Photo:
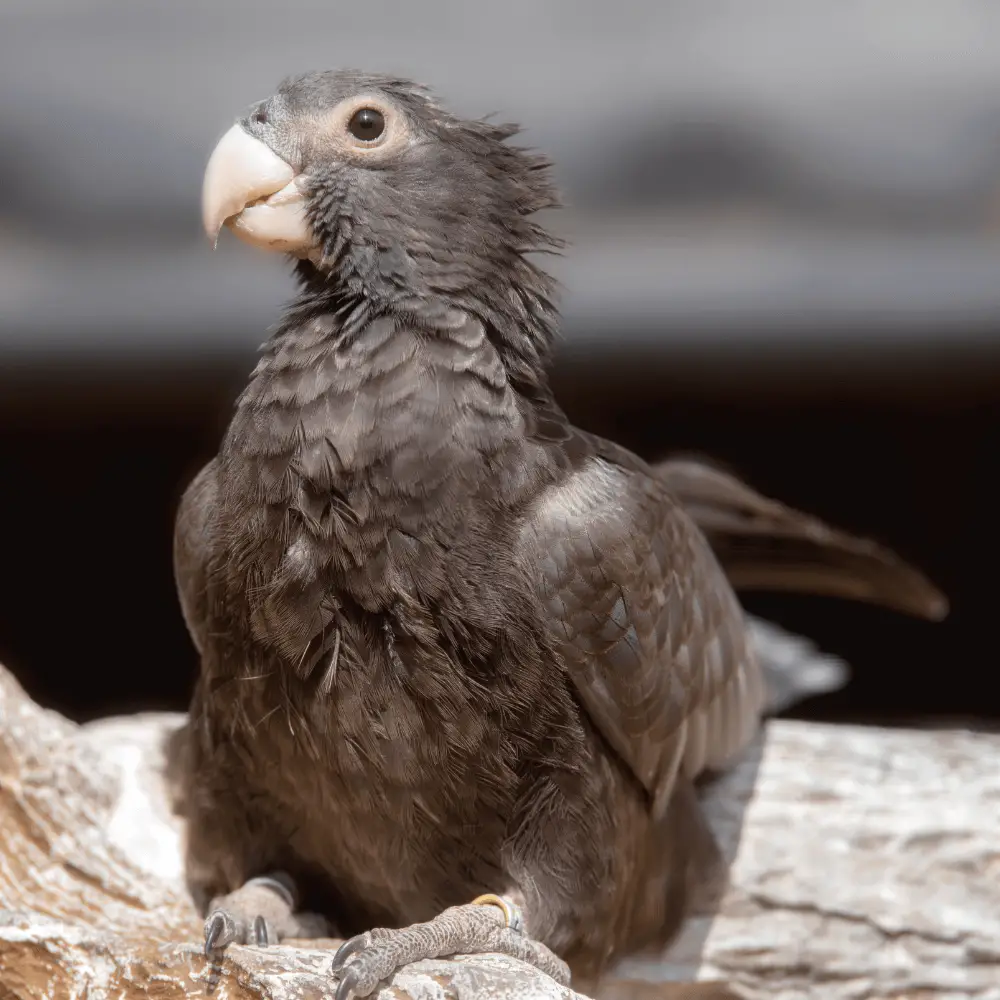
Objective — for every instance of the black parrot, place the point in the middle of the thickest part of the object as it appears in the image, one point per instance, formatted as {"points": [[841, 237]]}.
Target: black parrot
{"points": [[454, 651]]}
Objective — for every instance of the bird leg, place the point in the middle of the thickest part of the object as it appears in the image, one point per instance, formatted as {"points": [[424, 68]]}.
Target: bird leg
{"points": [[490, 924], [261, 912]]}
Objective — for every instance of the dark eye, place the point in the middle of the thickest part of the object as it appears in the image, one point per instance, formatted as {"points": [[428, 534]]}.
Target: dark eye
{"points": [[367, 124], [260, 115]]}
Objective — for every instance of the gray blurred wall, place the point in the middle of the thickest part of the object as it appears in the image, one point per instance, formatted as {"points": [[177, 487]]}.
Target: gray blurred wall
{"points": [[816, 178]]}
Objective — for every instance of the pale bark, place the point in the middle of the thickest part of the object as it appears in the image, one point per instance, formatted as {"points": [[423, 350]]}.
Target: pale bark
{"points": [[866, 864]]}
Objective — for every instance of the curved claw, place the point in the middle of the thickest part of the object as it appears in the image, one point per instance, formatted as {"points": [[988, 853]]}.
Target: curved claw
{"points": [[219, 931], [213, 932], [348, 983], [260, 935], [350, 947]]}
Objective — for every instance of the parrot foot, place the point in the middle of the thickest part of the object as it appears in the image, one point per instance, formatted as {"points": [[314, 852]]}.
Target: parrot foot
{"points": [[260, 912], [362, 962]]}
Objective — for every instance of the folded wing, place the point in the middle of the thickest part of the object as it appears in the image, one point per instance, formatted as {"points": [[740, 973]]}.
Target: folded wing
{"points": [[651, 633]]}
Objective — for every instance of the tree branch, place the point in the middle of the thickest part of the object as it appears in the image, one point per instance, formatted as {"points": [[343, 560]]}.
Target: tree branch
{"points": [[865, 864]]}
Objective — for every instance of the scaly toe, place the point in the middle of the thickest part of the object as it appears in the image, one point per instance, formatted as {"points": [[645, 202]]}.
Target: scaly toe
{"points": [[280, 884]]}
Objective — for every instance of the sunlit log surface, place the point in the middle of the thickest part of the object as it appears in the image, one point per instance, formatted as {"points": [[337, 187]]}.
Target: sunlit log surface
{"points": [[865, 864]]}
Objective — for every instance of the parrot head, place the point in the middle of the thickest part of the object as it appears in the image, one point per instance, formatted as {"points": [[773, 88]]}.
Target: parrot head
{"points": [[371, 182]]}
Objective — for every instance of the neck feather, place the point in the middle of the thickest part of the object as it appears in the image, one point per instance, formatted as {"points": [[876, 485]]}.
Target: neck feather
{"points": [[409, 408], [368, 446]]}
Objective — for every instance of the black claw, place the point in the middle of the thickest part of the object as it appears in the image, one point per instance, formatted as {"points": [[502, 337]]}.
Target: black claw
{"points": [[350, 947], [260, 932], [347, 984], [215, 930]]}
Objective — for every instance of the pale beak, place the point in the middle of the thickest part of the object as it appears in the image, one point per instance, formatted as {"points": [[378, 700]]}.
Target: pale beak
{"points": [[249, 188]]}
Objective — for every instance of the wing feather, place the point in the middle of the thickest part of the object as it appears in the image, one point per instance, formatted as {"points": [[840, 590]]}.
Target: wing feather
{"points": [[652, 635], [191, 551]]}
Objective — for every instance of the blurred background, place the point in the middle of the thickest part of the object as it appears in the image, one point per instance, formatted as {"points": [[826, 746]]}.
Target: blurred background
{"points": [[785, 229]]}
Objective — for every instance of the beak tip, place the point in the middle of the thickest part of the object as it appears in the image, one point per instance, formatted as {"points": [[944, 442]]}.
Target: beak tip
{"points": [[212, 235]]}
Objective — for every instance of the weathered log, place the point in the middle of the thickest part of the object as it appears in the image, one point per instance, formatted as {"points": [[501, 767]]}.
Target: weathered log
{"points": [[865, 864]]}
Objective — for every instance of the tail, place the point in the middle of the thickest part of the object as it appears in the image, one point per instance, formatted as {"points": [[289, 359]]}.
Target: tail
{"points": [[765, 545], [793, 668]]}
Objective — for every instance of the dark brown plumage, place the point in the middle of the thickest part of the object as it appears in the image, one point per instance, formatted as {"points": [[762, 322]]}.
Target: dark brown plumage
{"points": [[450, 644]]}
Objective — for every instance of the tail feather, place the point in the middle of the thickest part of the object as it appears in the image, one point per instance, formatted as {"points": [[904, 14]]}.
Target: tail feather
{"points": [[794, 668], [765, 545]]}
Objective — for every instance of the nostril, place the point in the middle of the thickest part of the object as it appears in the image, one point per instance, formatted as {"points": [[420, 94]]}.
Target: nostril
{"points": [[259, 117]]}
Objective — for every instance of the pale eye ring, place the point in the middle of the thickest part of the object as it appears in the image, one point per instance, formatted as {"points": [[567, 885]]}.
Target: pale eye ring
{"points": [[367, 124]]}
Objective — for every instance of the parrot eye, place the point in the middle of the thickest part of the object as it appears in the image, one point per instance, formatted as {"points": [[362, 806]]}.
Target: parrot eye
{"points": [[367, 124]]}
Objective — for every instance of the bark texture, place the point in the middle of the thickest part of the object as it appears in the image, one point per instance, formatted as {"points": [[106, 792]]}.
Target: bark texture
{"points": [[865, 865]]}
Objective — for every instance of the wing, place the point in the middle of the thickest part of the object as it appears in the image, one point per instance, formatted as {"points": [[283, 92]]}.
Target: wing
{"points": [[191, 541], [766, 545], [651, 632]]}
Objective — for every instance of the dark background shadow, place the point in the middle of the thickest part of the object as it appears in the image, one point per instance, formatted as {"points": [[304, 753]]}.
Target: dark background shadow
{"points": [[784, 254]]}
